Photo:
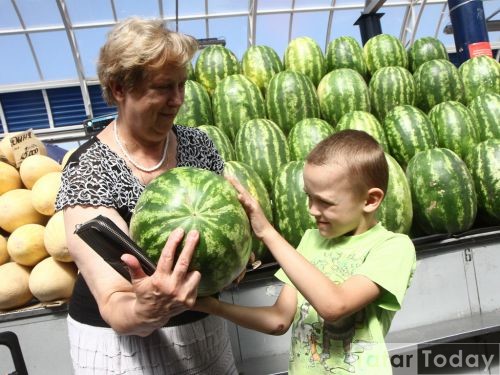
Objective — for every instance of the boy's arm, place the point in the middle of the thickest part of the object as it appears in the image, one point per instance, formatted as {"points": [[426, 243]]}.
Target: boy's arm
{"points": [[332, 301], [273, 320]]}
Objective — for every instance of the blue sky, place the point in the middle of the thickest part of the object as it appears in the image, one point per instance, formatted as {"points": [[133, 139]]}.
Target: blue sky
{"points": [[56, 60]]}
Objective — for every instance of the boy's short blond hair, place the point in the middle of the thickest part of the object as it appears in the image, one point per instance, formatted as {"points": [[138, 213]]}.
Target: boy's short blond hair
{"points": [[357, 151], [136, 47]]}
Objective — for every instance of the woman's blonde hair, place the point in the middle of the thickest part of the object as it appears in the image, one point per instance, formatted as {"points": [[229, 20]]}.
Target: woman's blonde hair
{"points": [[136, 47]]}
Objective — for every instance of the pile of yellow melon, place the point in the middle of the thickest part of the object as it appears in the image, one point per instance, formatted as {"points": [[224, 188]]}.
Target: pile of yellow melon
{"points": [[34, 260]]}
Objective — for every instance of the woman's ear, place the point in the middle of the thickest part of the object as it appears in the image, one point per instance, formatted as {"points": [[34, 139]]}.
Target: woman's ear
{"points": [[117, 90], [374, 198]]}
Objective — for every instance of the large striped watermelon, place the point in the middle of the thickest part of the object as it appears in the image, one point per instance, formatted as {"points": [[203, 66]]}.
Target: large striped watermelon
{"points": [[384, 50], [486, 112], [455, 127], [261, 144], [236, 100], [480, 75], [365, 121], [342, 91], [220, 140], [291, 205], [194, 198], [345, 52], [197, 107], [215, 63], [437, 81], [443, 194], [254, 185], [408, 131], [484, 165], [396, 210], [304, 55], [291, 97], [389, 87], [425, 49], [260, 64], [306, 134]]}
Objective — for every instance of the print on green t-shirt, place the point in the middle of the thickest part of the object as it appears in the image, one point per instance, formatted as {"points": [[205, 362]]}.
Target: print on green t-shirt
{"points": [[353, 344]]}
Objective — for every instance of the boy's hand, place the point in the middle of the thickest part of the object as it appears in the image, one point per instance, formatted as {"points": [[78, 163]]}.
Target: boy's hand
{"points": [[254, 212]]}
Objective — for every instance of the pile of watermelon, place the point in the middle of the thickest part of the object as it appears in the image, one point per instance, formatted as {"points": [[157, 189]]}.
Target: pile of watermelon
{"points": [[439, 125]]}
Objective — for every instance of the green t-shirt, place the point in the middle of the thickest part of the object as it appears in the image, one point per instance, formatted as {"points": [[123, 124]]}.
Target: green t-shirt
{"points": [[354, 344]]}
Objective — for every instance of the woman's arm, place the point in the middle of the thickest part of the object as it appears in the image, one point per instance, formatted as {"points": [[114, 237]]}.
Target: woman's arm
{"points": [[273, 320], [147, 303]]}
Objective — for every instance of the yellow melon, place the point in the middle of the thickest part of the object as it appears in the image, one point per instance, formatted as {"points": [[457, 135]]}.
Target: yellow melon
{"points": [[66, 156], [14, 288], [9, 178], [44, 193], [55, 238], [36, 166], [16, 210], [4, 254], [6, 150], [25, 245], [51, 280]]}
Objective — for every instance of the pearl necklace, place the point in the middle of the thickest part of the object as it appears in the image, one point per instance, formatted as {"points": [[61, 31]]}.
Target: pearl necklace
{"points": [[135, 164]]}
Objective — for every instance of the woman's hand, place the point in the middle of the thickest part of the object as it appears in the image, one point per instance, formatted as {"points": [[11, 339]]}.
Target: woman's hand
{"points": [[254, 212], [172, 289]]}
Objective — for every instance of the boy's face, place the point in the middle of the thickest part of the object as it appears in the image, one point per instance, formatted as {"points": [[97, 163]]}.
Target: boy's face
{"points": [[333, 202]]}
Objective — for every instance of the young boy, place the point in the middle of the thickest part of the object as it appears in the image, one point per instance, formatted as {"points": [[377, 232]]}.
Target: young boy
{"points": [[347, 278]]}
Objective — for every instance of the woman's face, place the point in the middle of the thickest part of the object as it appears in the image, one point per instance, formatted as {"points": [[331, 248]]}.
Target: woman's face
{"points": [[150, 109]]}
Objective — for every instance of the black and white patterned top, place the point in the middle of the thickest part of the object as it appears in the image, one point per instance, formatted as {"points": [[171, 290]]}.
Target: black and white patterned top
{"points": [[96, 176]]}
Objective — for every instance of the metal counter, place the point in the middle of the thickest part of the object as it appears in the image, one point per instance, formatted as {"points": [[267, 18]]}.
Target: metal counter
{"points": [[453, 296]]}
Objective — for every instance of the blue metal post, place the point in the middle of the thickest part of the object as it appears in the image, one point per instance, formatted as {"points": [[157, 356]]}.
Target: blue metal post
{"points": [[469, 28]]}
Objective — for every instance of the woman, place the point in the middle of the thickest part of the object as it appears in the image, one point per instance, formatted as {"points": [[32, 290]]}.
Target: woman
{"points": [[122, 321]]}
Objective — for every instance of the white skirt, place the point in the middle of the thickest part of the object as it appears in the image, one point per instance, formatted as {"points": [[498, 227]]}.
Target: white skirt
{"points": [[201, 347]]}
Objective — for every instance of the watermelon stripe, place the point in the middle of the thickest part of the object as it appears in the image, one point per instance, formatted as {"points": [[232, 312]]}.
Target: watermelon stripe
{"points": [[197, 107], [365, 121], [304, 55], [443, 191], [260, 64], [384, 50], [195, 199], [486, 112], [305, 135], [291, 203], [408, 131], [215, 63], [483, 162], [454, 127], [342, 91], [389, 87], [345, 52], [291, 97], [236, 100], [255, 186], [396, 210], [261, 144], [480, 75], [437, 81], [220, 140], [426, 49]]}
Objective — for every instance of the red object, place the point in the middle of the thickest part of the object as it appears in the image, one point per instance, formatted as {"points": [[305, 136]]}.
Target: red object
{"points": [[479, 49]]}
